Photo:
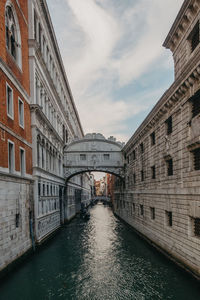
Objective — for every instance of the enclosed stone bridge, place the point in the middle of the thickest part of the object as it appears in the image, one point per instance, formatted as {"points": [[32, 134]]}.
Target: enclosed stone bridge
{"points": [[94, 153]]}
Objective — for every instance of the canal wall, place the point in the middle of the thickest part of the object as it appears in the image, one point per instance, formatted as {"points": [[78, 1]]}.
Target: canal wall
{"points": [[160, 197], [15, 207]]}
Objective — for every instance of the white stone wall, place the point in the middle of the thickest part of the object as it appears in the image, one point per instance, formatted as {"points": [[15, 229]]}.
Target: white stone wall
{"points": [[174, 198], [15, 195]]}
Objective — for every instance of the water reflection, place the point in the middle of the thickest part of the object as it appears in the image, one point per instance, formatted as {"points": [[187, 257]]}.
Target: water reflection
{"points": [[98, 259]]}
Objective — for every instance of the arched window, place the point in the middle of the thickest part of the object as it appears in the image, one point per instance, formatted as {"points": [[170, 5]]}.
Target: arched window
{"points": [[13, 39]]}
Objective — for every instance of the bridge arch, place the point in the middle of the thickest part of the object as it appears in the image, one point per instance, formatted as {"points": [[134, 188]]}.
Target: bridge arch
{"points": [[94, 153]]}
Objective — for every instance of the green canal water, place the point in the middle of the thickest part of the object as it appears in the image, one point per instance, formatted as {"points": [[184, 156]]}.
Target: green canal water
{"points": [[98, 260]]}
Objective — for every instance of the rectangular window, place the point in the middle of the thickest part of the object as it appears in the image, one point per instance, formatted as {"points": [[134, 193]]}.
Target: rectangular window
{"points": [[134, 178], [168, 123], [40, 35], [43, 189], [106, 156], [82, 156], [152, 212], [153, 172], [197, 227], [35, 26], [194, 37], [17, 220], [168, 215], [39, 189], [141, 210], [134, 155], [153, 138], [195, 101], [128, 159], [9, 100], [133, 207], [21, 113], [170, 167], [142, 175], [11, 157], [142, 148], [22, 162], [196, 155]]}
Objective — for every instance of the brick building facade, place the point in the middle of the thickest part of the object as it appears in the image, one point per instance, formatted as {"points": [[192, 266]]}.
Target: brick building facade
{"points": [[15, 132], [161, 197]]}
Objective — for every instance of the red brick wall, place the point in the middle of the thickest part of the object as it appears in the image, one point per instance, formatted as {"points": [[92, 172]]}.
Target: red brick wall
{"points": [[4, 137], [22, 76], [22, 14]]}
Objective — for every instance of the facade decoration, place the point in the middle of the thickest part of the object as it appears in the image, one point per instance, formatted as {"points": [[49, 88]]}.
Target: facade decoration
{"points": [[55, 123], [93, 153]]}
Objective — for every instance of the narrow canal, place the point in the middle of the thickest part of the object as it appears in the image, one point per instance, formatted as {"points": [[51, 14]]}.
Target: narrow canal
{"points": [[99, 259]]}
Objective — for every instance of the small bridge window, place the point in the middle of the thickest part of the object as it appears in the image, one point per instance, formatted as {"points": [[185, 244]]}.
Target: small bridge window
{"points": [[82, 156], [106, 156]]}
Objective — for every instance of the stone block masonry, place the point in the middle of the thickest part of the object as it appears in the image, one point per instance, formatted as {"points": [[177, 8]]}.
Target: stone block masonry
{"points": [[15, 204], [161, 196]]}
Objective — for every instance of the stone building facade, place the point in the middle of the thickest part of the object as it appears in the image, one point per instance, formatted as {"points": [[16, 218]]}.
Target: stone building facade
{"points": [[16, 209], [55, 123], [161, 195]]}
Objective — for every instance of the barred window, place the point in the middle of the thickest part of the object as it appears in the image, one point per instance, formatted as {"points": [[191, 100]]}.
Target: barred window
{"points": [[168, 123], [196, 154], [106, 156], [152, 211], [82, 156], [153, 138], [17, 220], [141, 209], [142, 148], [134, 155], [194, 37], [195, 101], [170, 167], [153, 172], [142, 175], [197, 227], [134, 178], [168, 218]]}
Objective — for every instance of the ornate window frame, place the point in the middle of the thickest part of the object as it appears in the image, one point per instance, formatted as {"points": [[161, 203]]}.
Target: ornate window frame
{"points": [[17, 39]]}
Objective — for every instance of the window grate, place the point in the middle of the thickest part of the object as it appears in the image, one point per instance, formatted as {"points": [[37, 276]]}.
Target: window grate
{"points": [[169, 218], [142, 148], [195, 100], [169, 125], [152, 209], [170, 167], [194, 37], [196, 154], [153, 172], [153, 138], [142, 175], [197, 226], [141, 210]]}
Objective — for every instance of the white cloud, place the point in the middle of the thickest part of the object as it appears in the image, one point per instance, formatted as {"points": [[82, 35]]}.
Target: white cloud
{"points": [[100, 34], [110, 47]]}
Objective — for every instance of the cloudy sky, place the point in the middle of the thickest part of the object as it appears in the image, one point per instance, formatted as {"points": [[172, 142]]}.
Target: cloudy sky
{"points": [[114, 59]]}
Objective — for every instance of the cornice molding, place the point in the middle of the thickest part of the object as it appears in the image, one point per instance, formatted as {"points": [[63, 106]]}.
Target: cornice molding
{"points": [[178, 89]]}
